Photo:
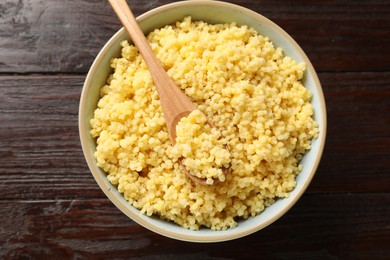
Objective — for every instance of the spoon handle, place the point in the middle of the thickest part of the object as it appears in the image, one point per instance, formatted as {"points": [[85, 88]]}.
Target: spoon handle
{"points": [[175, 104]]}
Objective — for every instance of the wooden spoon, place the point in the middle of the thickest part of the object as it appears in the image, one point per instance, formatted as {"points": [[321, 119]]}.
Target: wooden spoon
{"points": [[175, 104]]}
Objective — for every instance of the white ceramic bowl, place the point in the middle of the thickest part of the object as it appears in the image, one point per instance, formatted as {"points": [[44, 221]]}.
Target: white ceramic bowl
{"points": [[212, 12]]}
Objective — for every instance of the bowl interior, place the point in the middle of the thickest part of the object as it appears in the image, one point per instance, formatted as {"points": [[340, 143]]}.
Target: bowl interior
{"points": [[212, 12]]}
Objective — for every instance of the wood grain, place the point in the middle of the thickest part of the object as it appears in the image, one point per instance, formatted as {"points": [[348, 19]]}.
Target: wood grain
{"points": [[358, 134], [40, 152], [65, 36], [329, 226]]}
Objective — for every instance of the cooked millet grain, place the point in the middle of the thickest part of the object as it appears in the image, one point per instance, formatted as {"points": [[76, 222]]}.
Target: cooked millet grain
{"points": [[244, 85]]}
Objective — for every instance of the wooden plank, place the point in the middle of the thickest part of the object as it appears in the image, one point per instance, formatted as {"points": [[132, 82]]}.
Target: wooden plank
{"points": [[338, 226], [65, 36], [40, 152], [336, 35], [41, 157], [358, 134]]}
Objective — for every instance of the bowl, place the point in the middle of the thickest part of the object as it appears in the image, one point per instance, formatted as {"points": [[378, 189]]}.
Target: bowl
{"points": [[212, 12]]}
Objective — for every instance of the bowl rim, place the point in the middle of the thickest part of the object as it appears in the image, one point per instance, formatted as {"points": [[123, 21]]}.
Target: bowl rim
{"points": [[216, 236]]}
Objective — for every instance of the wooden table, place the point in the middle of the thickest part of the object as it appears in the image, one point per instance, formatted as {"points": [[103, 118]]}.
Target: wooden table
{"points": [[50, 205]]}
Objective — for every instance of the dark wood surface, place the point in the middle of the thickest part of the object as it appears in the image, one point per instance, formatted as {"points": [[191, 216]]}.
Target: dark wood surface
{"points": [[50, 205]]}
